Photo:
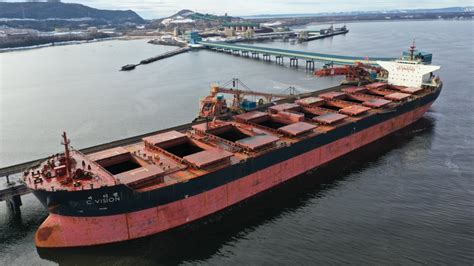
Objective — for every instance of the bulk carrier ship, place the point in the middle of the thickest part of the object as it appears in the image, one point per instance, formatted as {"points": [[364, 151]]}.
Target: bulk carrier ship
{"points": [[175, 177]]}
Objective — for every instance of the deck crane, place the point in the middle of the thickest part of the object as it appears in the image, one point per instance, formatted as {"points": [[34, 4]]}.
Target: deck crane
{"points": [[215, 105], [359, 72]]}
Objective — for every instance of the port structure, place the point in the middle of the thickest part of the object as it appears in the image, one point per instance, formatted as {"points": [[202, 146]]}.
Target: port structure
{"points": [[129, 67], [293, 55], [11, 192]]}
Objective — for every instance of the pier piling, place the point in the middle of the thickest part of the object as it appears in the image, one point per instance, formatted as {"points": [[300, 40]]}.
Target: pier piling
{"points": [[279, 59], [11, 192], [14, 204], [294, 62]]}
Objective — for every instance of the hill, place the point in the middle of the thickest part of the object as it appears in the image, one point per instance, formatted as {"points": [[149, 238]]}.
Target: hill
{"points": [[188, 19], [28, 14]]}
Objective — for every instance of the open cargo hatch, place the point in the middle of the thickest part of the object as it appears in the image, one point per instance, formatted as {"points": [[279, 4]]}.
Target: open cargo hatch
{"points": [[116, 160], [126, 169], [187, 150]]}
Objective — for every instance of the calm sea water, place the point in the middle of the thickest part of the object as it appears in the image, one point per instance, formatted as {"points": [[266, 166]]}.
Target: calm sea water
{"points": [[408, 199]]}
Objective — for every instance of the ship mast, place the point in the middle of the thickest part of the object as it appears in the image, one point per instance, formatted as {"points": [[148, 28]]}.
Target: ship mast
{"points": [[412, 50], [66, 142]]}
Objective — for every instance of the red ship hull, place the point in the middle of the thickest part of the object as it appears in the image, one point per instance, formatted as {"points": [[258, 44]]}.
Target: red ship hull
{"points": [[70, 231]]}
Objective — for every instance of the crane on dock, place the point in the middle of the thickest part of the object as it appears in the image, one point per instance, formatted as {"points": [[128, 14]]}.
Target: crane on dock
{"points": [[215, 104]]}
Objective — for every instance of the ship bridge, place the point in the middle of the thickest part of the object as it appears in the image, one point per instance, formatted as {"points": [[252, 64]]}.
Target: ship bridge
{"points": [[294, 55]]}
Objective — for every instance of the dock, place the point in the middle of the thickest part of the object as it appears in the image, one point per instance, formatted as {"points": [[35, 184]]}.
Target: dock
{"points": [[254, 52], [301, 36], [165, 55], [316, 35], [297, 35], [11, 192], [181, 50]]}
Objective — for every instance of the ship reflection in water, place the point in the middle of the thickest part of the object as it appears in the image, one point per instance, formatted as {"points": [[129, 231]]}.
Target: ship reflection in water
{"points": [[200, 240]]}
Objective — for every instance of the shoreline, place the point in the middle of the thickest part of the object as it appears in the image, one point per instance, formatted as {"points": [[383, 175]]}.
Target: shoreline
{"points": [[295, 24], [137, 37], [377, 20], [31, 47]]}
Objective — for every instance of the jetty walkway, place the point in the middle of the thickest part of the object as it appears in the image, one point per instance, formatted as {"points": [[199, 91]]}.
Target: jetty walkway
{"points": [[293, 55], [156, 58]]}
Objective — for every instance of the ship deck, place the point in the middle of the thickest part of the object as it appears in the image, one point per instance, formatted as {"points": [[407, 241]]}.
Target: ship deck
{"points": [[172, 156]]}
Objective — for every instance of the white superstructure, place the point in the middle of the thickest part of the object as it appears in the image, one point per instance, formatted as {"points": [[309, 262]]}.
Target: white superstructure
{"points": [[410, 73]]}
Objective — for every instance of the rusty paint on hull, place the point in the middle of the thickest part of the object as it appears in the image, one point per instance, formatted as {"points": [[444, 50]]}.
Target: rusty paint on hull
{"points": [[69, 231]]}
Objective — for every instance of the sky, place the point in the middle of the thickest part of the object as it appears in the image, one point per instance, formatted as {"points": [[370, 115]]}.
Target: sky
{"points": [[162, 8]]}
